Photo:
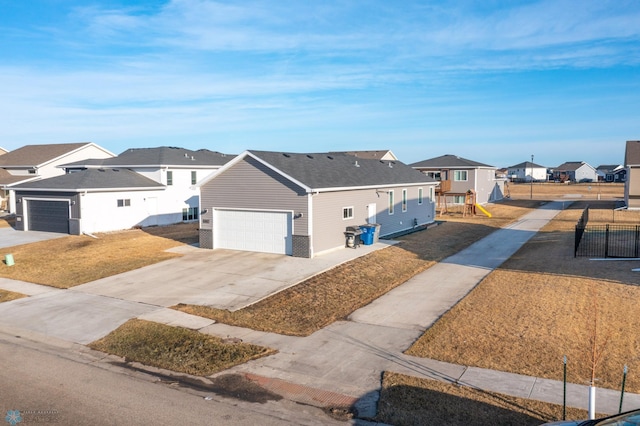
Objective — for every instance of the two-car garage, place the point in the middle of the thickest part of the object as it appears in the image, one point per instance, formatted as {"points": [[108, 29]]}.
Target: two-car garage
{"points": [[250, 230]]}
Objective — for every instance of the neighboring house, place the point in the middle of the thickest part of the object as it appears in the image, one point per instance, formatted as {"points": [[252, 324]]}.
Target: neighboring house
{"points": [[3, 151], [575, 171], [34, 162], [458, 175], [372, 155], [140, 187], [301, 204], [527, 172], [611, 173], [632, 184]]}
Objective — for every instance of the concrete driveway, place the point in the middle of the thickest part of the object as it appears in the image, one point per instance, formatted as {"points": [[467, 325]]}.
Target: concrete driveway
{"points": [[224, 279], [9, 237]]}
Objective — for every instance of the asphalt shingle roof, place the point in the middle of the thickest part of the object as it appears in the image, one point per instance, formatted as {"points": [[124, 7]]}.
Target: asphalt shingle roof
{"points": [[169, 156], [336, 170], [632, 153], [35, 155], [527, 165], [448, 161], [570, 166], [93, 179]]}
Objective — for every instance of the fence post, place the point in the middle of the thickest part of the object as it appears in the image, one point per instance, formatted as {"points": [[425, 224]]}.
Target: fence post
{"points": [[637, 245], [606, 241]]}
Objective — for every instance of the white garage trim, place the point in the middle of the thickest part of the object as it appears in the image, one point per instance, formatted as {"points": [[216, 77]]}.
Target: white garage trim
{"points": [[48, 220], [265, 231]]}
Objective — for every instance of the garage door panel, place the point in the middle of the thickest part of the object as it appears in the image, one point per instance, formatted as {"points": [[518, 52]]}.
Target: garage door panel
{"points": [[48, 216], [268, 232]]}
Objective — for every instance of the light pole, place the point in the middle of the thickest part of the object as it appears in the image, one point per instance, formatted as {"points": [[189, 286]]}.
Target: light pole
{"points": [[531, 179]]}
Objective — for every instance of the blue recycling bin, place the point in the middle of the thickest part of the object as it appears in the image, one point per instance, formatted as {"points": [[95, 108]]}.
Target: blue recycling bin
{"points": [[367, 234]]}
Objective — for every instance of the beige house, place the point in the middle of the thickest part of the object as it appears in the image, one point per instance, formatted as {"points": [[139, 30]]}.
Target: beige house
{"points": [[632, 184]]}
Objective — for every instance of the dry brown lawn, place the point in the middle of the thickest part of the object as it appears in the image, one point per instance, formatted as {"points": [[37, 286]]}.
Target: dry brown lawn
{"points": [[543, 304], [6, 221], [68, 261], [176, 348], [6, 296], [554, 191], [335, 294], [408, 401]]}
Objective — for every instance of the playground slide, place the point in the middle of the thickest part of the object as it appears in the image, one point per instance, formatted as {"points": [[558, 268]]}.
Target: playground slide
{"points": [[482, 209]]}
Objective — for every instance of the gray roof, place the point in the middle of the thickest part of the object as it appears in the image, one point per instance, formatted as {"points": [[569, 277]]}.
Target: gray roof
{"points": [[449, 161], [373, 155], [336, 170], [570, 166], [93, 179], [35, 155], [632, 153], [608, 167], [160, 156], [527, 165]]}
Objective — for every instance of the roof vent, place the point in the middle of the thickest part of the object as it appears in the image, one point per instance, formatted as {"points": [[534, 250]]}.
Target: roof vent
{"points": [[329, 157], [310, 156], [390, 165], [286, 155], [356, 164], [186, 155], [192, 158]]}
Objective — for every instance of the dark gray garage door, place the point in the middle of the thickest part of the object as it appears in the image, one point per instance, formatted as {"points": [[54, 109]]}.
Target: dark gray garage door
{"points": [[48, 216]]}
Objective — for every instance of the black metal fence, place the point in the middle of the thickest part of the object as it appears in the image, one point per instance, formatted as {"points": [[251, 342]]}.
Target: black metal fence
{"points": [[608, 241], [580, 227]]}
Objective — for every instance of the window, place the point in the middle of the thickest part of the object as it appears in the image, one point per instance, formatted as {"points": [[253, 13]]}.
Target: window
{"points": [[458, 199], [460, 175], [169, 178], [126, 202], [431, 193], [420, 195], [404, 200], [194, 178], [390, 202], [347, 213], [190, 213]]}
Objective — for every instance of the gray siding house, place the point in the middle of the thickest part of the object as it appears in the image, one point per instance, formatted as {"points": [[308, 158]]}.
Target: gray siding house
{"points": [[301, 204], [458, 175]]}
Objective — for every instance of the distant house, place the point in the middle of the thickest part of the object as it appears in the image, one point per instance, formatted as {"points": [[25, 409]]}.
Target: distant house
{"points": [[3, 151], [611, 173], [632, 184], [575, 171], [301, 204], [34, 162], [458, 175], [527, 172], [140, 187]]}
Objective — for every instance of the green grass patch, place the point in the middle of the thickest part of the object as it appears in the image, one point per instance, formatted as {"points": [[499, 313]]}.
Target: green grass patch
{"points": [[175, 348]]}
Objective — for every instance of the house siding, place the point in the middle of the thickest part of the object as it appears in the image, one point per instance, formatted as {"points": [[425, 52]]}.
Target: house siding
{"points": [[261, 189], [632, 188], [328, 206]]}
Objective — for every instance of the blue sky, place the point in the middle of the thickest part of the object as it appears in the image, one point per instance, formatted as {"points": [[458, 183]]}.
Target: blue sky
{"points": [[493, 81]]}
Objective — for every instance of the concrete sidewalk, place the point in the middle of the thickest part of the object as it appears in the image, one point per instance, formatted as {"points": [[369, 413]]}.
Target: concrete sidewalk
{"points": [[349, 357]]}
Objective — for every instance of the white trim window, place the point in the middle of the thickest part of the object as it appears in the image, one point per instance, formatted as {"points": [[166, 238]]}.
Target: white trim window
{"points": [[169, 178], [460, 175], [126, 202], [194, 177], [420, 195], [404, 200], [391, 201], [458, 199], [347, 213]]}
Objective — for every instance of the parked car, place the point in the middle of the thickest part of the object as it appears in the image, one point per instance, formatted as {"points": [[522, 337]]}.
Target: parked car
{"points": [[630, 418]]}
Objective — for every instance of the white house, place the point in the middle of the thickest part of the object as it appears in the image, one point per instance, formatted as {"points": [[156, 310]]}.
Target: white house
{"points": [[34, 162], [140, 187], [527, 172]]}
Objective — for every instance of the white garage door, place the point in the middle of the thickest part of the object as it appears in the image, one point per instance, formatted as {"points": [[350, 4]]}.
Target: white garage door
{"points": [[267, 232]]}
